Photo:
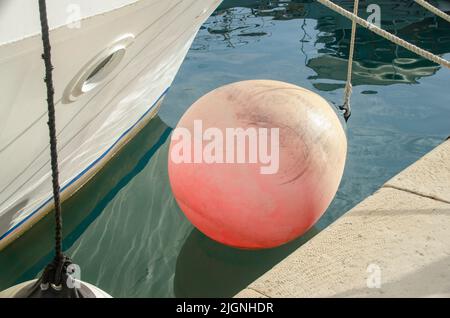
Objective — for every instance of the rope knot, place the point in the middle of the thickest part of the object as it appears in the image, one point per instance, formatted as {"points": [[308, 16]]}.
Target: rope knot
{"points": [[56, 273]]}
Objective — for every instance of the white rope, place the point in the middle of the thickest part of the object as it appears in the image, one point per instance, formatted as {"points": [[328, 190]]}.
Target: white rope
{"points": [[389, 36], [348, 86], [433, 9]]}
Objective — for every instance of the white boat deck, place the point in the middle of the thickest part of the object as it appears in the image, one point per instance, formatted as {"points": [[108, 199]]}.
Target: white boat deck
{"points": [[393, 244]]}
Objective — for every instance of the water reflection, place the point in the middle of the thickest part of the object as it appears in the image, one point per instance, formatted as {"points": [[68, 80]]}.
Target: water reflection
{"points": [[27, 256], [377, 61]]}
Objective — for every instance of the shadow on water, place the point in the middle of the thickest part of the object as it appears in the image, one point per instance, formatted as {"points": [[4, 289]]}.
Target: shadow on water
{"points": [[208, 269], [81, 210], [148, 257]]}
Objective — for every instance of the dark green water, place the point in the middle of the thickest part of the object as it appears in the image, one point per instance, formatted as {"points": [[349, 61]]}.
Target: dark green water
{"points": [[125, 230]]}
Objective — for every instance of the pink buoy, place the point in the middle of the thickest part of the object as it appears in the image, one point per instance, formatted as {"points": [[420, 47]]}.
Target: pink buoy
{"points": [[255, 164]]}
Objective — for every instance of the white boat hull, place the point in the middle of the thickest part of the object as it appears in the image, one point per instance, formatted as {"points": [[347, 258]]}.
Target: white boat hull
{"points": [[96, 114]]}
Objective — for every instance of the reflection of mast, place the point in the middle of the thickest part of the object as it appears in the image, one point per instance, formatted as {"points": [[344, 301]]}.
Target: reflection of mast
{"points": [[302, 41], [233, 26]]}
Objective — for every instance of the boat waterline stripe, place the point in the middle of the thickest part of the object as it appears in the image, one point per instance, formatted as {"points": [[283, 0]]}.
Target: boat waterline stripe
{"points": [[82, 173]]}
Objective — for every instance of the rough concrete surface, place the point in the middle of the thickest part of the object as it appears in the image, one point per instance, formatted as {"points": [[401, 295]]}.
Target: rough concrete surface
{"points": [[430, 176], [393, 244]]}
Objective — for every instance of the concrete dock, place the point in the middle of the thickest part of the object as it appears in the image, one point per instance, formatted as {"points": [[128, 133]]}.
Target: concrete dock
{"points": [[396, 243]]}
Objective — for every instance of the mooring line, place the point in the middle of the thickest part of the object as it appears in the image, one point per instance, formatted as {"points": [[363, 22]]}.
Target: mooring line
{"points": [[385, 34], [433, 9]]}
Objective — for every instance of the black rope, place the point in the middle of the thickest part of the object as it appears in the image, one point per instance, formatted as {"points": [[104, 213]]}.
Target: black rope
{"points": [[46, 56], [54, 281]]}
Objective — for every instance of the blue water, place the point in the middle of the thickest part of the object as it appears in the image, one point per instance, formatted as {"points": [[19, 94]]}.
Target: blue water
{"points": [[125, 229]]}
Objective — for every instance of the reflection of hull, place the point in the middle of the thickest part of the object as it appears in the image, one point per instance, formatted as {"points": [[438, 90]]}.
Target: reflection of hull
{"points": [[400, 11], [92, 125], [335, 68], [34, 249], [444, 5], [377, 61]]}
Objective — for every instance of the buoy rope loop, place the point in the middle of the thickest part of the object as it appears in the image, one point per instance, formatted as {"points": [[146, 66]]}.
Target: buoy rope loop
{"points": [[346, 107], [55, 274]]}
